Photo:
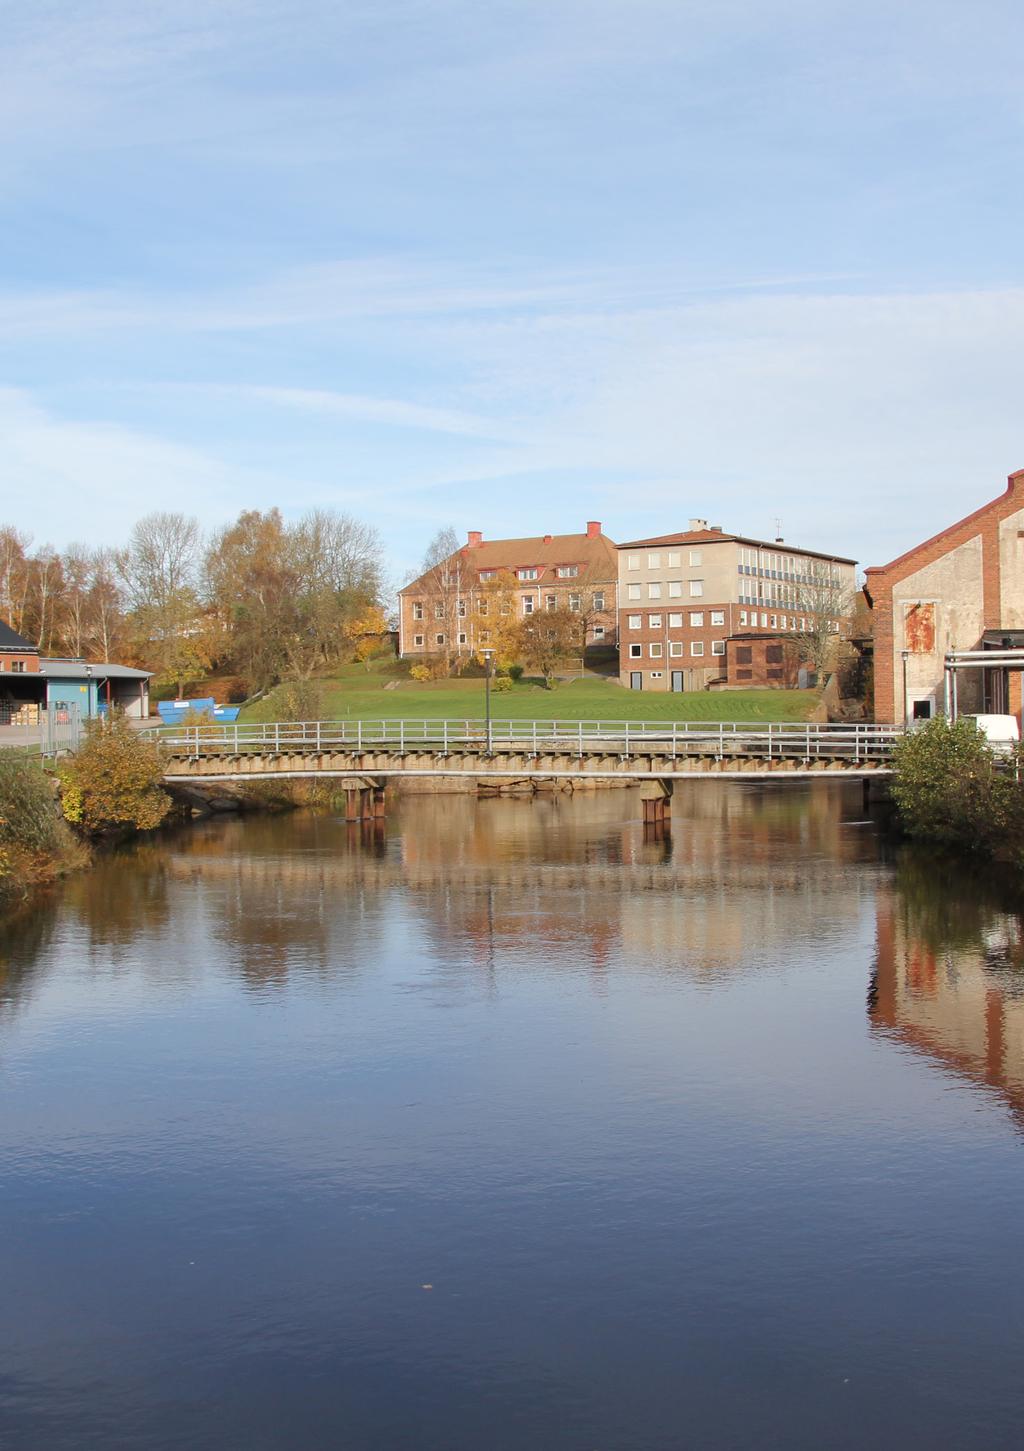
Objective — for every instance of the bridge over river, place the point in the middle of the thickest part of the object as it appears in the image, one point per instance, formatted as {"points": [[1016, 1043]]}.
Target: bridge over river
{"points": [[366, 755]]}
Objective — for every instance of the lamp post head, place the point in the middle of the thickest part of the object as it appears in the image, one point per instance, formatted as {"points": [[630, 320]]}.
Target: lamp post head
{"points": [[905, 654]]}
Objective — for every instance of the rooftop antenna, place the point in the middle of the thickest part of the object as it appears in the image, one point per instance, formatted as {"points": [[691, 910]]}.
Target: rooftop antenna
{"points": [[778, 532]]}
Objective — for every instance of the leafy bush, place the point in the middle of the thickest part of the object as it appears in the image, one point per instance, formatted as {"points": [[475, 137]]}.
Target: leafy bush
{"points": [[516, 672], [113, 780], [300, 700], [501, 683], [949, 789], [35, 843]]}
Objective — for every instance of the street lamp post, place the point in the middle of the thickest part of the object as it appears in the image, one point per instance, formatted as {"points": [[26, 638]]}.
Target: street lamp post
{"points": [[906, 657], [488, 655]]}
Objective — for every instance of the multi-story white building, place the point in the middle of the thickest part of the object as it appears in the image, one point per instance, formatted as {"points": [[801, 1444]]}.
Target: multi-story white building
{"points": [[683, 596]]}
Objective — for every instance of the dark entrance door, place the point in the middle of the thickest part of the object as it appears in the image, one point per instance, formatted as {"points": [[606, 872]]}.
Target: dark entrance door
{"points": [[677, 680]]}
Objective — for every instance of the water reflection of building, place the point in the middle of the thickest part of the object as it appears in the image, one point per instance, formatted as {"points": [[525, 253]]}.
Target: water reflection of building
{"points": [[746, 871], [948, 979]]}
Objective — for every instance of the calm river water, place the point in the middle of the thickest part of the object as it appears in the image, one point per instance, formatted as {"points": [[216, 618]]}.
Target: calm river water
{"points": [[511, 1129]]}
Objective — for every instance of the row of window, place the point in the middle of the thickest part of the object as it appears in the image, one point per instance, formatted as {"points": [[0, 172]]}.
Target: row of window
{"points": [[17, 667], [772, 622], [574, 601], [675, 621], [675, 589], [534, 571], [673, 559], [675, 648], [483, 637]]}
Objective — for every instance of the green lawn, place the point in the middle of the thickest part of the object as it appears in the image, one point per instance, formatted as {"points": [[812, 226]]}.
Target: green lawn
{"points": [[357, 694]]}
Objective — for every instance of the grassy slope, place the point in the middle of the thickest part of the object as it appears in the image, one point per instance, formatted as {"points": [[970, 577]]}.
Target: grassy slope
{"points": [[357, 694]]}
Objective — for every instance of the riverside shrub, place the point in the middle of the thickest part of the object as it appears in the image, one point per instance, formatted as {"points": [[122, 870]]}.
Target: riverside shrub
{"points": [[35, 843], [950, 789], [113, 780]]}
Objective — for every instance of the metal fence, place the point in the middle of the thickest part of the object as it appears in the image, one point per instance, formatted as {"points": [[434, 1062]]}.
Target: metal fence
{"points": [[49, 731], [798, 740]]}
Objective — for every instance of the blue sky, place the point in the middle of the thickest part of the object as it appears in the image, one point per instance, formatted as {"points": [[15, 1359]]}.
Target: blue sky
{"points": [[511, 266]]}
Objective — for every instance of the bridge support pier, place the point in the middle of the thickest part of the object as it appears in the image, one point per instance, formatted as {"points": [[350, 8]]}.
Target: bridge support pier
{"points": [[656, 798], [364, 803]]}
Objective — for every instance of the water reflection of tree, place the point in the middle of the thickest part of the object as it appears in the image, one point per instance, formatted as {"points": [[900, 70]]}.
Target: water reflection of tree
{"points": [[948, 976]]}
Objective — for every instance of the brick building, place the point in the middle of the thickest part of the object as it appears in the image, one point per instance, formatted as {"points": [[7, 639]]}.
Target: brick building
{"points": [[683, 596], [18, 656], [963, 589], [447, 609]]}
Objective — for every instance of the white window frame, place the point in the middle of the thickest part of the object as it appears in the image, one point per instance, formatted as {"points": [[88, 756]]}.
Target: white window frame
{"points": [[696, 589], [675, 589], [696, 619], [674, 560], [632, 591], [654, 561], [718, 617], [657, 650], [654, 590], [696, 557], [632, 561], [696, 647], [653, 622], [718, 647], [675, 622], [636, 652], [634, 622], [675, 648]]}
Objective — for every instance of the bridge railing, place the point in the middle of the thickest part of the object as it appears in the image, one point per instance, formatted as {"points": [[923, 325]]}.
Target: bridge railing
{"points": [[792, 740]]}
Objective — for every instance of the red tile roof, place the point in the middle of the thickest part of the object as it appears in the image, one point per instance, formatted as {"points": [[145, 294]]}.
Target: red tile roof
{"points": [[593, 553]]}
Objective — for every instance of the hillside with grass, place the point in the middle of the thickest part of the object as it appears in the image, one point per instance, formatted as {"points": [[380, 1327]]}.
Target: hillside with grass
{"points": [[383, 690]]}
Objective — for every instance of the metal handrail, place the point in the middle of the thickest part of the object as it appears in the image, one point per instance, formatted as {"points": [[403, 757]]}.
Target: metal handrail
{"points": [[774, 739]]}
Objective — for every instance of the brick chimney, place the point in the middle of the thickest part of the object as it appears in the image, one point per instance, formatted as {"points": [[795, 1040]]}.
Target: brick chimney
{"points": [[547, 538], [593, 529], [474, 538]]}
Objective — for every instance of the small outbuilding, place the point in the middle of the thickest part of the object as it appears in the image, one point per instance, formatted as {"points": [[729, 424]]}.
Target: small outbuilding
{"points": [[29, 683]]}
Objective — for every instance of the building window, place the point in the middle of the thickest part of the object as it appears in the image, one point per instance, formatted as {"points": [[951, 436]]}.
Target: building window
{"points": [[632, 561], [743, 617], [486, 574], [655, 674], [675, 589], [654, 622], [481, 607], [598, 599], [773, 621], [484, 637], [696, 588], [417, 610], [675, 647], [462, 638], [675, 622], [654, 561], [418, 641], [695, 556], [696, 619], [575, 601], [460, 609], [527, 604], [764, 622], [634, 622], [551, 602], [654, 591], [674, 561], [773, 654], [718, 647], [656, 650], [635, 652], [439, 611], [696, 647], [718, 617], [633, 591], [744, 654], [439, 639], [744, 674], [527, 573], [568, 571], [598, 632]]}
